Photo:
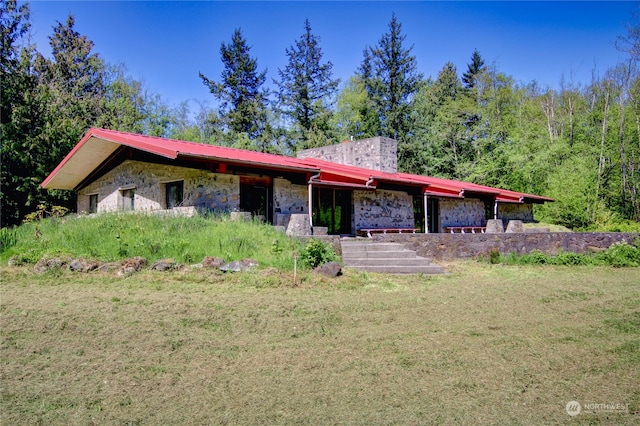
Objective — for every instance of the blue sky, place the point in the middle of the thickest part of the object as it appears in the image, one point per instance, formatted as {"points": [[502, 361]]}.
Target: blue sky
{"points": [[166, 44]]}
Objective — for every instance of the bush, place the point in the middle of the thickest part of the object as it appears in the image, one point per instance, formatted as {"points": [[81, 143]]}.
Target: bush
{"points": [[316, 253]]}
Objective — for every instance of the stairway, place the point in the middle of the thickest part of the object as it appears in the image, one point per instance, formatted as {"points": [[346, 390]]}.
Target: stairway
{"points": [[386, 258]]}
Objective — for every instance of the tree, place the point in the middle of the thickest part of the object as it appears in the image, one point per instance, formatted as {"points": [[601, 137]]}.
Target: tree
{"points": [[391, 78], [354, 115], [474, 69], [240, 93], [306, 89], [19, 114]]}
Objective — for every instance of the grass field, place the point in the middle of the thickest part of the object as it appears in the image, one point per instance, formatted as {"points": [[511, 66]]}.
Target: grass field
{"points": [[485, 344]]}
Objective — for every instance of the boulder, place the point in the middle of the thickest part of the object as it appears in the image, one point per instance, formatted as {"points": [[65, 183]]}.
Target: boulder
{"points": [[82, 265], [131, 265], [212, 262], [330, 269], [47, 264], [163, 265], [239, 265]]}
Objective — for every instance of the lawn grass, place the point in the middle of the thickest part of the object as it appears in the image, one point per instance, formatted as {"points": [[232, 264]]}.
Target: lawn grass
{"points": [[484, 344]]}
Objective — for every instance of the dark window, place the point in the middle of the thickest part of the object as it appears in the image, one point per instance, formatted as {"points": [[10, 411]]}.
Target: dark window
{"points": [[175, 194], [93, 203]]}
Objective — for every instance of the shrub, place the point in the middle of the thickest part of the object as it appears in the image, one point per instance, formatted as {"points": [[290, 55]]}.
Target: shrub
{"points": [[316, 253]]}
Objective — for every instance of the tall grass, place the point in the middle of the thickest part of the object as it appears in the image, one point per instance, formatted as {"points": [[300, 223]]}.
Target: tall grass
{"points": [[112, 237]]}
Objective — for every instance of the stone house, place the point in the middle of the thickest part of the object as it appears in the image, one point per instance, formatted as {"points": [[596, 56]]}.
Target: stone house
{"points": [[339, 189]]}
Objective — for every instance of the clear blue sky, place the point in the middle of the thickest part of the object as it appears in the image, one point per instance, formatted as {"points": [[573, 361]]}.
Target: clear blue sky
{"points": [[165, 44]]}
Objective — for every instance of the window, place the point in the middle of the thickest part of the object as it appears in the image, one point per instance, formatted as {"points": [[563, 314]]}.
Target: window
{"points": [[175, 194], [93, 203], [128, 196]]}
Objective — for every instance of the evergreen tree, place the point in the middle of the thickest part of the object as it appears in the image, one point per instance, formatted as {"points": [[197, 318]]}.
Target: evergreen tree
{"points": [[306, 90], [18, 114], [474, 69], [391, 77], [240, 93]]}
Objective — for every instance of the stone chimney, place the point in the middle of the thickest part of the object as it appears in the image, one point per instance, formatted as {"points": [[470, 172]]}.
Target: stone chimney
{"points": [[376, 153]]}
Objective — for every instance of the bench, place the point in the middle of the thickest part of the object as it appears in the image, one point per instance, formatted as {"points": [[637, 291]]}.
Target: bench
{"points": [[464, 229], [366, 232]]}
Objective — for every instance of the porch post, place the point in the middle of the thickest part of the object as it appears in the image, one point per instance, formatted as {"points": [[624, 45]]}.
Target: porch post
{"points": [[310, 205], [495, 210], [426, 213]]}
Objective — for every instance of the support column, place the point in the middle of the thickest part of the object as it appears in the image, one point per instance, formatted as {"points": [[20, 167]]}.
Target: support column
{"points": [[426, 213]]}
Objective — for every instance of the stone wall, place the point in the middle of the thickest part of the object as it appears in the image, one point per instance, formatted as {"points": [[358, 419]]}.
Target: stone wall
{"points": [[511, 211], [374, 153], [453, 246], [202, 189], [461, 212], [289, 198], [382, 209]]}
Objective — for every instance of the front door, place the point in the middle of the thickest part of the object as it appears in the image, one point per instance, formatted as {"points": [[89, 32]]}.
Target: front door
{"points": [[255, 197]]}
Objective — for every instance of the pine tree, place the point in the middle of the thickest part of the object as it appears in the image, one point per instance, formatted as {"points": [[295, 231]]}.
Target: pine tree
{"points": [[391, 77], [240, 93], [470, 78], [306, 90]]}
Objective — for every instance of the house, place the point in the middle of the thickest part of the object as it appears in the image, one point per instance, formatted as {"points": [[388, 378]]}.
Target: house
{"points": [[339, 189]]}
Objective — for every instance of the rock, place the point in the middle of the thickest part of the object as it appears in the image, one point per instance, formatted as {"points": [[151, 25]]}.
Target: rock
{"points": [[131, 265], [163, 265], [82, 265], [47, 264], [239, 265], [212, 262], [330, 269]]}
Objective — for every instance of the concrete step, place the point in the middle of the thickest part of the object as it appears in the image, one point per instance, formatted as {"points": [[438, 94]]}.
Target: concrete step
{"points": [[388, 258], [370, 246], [400, 254], [359, 261], [387, 269]]}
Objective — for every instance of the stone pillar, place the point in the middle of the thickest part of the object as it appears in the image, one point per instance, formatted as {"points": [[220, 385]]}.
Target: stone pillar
{"points": [[515, 226], [299, 225], [494, 226]]}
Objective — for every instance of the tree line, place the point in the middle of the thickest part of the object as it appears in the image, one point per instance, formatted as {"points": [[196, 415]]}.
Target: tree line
{"points": [[579, 144]]}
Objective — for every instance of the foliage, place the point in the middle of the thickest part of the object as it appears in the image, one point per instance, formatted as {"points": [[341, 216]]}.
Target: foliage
{"points": [[305, 91], [240, 93], [391, 78], [316, 253], [620, 254], [112, 237]]}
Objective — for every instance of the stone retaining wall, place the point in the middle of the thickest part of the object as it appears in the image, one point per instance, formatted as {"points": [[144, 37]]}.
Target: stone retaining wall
{"points": [[454, 246]]}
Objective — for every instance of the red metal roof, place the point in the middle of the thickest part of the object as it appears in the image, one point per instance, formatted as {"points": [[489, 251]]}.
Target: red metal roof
{"points": [[98, 144]]}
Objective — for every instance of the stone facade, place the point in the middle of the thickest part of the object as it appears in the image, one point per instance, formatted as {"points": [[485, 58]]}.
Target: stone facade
{"points": [[289, 198], [382, 209], [374, 153], [512, 211], [202, 189], [461, 212], [454, 246]]}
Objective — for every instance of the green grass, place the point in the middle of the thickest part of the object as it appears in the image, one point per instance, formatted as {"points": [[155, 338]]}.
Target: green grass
{"points": [[484, 344], [111, 237]]}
